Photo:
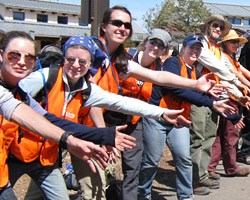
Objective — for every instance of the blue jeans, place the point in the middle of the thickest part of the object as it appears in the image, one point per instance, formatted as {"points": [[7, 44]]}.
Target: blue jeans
{"points": [[48, 178], [7, 193], [155, 135]]}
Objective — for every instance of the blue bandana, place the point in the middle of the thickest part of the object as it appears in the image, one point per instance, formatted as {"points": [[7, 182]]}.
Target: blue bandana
{"points": [[97, 56]]}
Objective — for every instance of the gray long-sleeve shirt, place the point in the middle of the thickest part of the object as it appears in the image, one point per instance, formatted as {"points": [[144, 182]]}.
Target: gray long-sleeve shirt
{"points": [[7, 103], [98, 97]]}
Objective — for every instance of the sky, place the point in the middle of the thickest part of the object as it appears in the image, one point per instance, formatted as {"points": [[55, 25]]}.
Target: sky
{"points": [[138, 8]]}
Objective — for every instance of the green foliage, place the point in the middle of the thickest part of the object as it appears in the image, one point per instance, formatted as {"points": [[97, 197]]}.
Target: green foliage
{"points": [[178, 17]]}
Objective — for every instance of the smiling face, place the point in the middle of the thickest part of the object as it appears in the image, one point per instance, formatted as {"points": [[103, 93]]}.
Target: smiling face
{"points": [[190, 54], [154, 48], [76, 63], [18, 60], [214, 29], [117, 30]]}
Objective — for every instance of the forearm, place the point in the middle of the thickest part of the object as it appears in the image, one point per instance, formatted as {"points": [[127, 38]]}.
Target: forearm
{"points": [[104, 136], [208, 60], [241, 77], [164, 78], [245, 72], [96, 115], [25, 116]]}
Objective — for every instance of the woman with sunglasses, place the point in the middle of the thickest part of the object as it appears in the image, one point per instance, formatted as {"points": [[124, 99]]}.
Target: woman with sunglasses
{"points": [[227, 137], [17, 54]]}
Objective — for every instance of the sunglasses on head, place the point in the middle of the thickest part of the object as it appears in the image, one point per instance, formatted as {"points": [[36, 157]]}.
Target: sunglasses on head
{"points": [[81, 61], [119, 23], [216, 25], [15, 56], [157, 43], [234, 41]]}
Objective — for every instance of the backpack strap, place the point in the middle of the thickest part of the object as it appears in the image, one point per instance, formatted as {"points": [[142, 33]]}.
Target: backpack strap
{"points": [[86, 92]]}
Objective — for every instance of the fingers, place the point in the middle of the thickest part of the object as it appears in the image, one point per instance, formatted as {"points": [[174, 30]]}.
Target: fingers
{"points": [[124, 141], [122, 127], [181, 120], [100, 159], [91, 165]]}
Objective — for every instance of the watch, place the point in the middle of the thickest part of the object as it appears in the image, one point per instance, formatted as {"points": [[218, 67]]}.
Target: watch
{"points": [[63, 139]]}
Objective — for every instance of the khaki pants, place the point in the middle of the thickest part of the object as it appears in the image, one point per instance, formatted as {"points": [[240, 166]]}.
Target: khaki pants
{"points": [[92, 185]]}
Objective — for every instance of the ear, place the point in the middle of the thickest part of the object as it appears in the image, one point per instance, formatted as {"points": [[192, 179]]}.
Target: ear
{"points": [[103, 27]]}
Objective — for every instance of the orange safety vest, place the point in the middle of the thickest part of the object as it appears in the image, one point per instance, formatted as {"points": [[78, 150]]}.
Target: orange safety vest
{"points": [[236, 66], [107, 79], [31, 146], [55, 103], [217, 52], [8, 132], [143, 92], [172, 102]]}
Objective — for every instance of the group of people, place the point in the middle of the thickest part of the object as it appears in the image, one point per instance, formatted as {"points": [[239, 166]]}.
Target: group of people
{"points": [[176, 101]]}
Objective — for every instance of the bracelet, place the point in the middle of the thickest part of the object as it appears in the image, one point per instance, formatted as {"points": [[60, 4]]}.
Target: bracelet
{"points": [[63, 139]]}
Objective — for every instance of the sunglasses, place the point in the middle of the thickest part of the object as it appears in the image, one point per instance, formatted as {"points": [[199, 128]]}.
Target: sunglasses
{"points": [[15, 56], [119, 23], [157, 43], [215, 25], [81, 62], [234, 41]]}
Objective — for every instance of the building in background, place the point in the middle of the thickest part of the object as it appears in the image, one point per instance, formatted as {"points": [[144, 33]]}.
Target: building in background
{"points": [[49, 22], [53, 22], [237, 15]]}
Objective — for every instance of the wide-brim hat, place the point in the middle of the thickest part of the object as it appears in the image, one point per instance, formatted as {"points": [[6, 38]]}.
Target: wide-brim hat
{"points": [[232, 35], [219, 17]]}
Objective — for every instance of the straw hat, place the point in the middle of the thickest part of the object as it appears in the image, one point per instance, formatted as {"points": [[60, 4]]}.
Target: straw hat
{"points": [[232, 35], [219, 17]]}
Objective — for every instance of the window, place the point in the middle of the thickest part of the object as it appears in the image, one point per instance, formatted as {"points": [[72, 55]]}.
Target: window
{"points": [[42, 18], [246, 22], [234, 21], [18, 16], [82, 23], [62, 20]]}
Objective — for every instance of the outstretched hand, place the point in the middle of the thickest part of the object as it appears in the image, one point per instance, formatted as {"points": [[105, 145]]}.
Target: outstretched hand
{"points": [[205, 82], [240, 124], [113, 153], [217, 90], [223, 107], [174, 117], [88, 152], [123, 140]]}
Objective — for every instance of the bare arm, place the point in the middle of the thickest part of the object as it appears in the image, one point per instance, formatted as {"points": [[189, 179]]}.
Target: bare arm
{"points": [[97, 116], [245, 72], [164, 78], [241, 77], [25, 116], [28, 118]]}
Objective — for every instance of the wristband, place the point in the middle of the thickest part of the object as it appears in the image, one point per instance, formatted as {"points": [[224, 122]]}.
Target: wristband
{"points": [[63, 139]]}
